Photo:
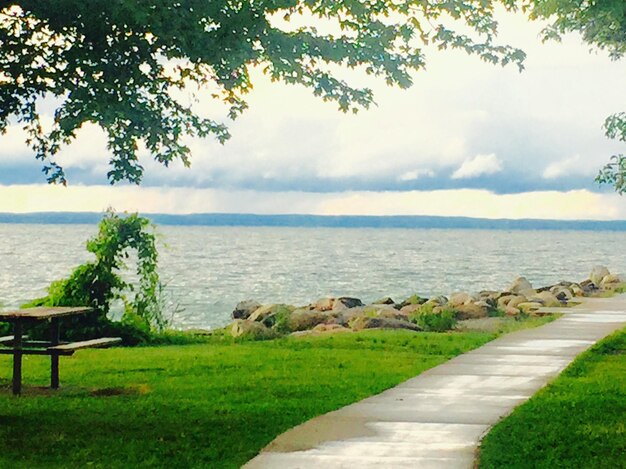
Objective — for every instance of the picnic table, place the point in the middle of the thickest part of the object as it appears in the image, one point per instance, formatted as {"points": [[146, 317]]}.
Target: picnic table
{"points": [[19, 345]]}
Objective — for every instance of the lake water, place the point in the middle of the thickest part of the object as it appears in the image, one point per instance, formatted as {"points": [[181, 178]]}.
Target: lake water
{"points": [[209, 269]]}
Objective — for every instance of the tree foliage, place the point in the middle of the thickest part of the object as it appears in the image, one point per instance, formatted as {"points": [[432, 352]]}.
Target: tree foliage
{"points": [[98, 283], [602, 24], [121, 64]]}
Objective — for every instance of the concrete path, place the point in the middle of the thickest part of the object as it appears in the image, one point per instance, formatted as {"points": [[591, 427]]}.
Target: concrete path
{"points": [[437, 419]]}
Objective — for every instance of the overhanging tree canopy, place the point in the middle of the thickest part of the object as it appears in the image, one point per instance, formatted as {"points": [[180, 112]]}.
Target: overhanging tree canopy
{"points": [[118, 63], [602, 24]]}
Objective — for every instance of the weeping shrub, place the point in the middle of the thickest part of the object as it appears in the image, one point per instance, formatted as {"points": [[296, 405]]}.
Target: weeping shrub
{"points": [[99, 283]]}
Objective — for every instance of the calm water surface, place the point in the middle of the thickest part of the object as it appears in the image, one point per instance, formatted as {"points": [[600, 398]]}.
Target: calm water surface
{"points": [[209, 269]]}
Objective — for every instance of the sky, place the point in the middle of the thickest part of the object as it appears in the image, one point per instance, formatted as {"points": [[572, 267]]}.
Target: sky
{"points": [[468, 139]]}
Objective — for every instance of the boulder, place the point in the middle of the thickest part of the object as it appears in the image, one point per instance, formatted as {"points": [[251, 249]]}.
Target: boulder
{"points": [[437, 301], [413, 300], [393, 314], [251, 330], [489, 295], [364, 322], [588, 287], [520, 285], [380, 310], [598, 273], [516, 301], [344, 316], [323, 304], [471, 311], [576, 290], [503, 301], [384, 301], [610, 281], [528, 293], [562, 293], [267, 314], [245, 308], [511, 311], [546, 298], [529, 306], [408, 310], [460, 298], [303, 319], [345, 302], [485, 304]]}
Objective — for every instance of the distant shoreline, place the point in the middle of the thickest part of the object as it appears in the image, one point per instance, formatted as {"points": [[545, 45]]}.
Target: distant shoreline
{"points": [[326, 221]]}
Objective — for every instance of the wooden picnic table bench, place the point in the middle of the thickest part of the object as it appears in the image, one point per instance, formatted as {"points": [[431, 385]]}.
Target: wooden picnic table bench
{"points": [[19, 345]]}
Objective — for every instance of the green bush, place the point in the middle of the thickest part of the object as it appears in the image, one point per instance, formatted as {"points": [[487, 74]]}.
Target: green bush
{"points": [[281, 320], [98, 283], [434, 322]]}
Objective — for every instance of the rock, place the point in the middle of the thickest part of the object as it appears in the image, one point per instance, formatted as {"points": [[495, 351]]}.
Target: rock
{"points": [[437, 301], [610, 281], [519, 285], [511, 311], [528, 293], [323, 304], [267, 314], [413, 300], [303, 319], [252, 330], [460, 298], [364, 322], [562, 293], [529, 306], [503, 301], [384, 301], [393, 314], [245, 308], [408, 310], [346, 302], [588, 287], [378, 310], [516, 301], [564, 283], [576, 290], [598, 273], [470, 311], [546, 298], [372, 311], [330, 328], [344, 316], [489, 295]]}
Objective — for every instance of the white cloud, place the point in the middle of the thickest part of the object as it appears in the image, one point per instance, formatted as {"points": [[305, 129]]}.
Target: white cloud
{"points": [[580, 204], [572, 166], [416, 174], [529, 120], [478, 166]]}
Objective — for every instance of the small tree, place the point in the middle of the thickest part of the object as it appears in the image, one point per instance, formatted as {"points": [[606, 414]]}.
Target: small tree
{"points": [[98, 283]]}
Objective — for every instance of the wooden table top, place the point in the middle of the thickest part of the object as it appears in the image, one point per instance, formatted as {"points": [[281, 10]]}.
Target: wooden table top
{"points": [[43, 312]]}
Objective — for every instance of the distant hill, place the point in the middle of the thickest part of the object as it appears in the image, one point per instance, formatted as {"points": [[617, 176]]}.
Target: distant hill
{"points": [[313, 221]]}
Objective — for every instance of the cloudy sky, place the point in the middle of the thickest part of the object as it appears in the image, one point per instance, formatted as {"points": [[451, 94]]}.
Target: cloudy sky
{"points": [[468, 139]]}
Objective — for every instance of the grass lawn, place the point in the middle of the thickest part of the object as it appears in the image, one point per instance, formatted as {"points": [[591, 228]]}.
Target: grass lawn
{"points": [[579, 421], [204, 405]]}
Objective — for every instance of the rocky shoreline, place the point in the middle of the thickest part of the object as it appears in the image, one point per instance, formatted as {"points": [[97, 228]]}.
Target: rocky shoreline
{"points": [[346, 314]]}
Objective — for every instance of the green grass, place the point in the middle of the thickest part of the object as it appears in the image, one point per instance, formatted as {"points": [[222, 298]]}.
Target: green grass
{"points": [[204, 405], [579, 421]]}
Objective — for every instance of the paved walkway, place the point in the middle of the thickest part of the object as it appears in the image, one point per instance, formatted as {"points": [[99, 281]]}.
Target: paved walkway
{"points": [[437, 419]]}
